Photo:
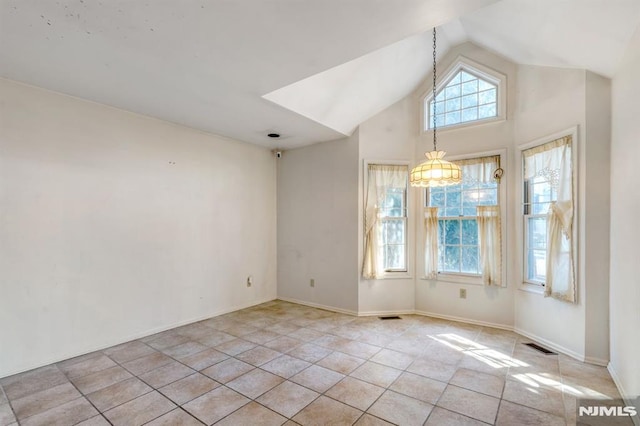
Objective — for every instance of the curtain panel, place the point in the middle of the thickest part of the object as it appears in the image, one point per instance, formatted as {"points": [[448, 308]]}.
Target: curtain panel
{"points": [[431, 242], [379, 178], [490, 244]]}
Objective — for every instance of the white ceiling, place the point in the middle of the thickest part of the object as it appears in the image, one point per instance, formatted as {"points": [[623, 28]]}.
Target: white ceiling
{"points": [[310, 70]]}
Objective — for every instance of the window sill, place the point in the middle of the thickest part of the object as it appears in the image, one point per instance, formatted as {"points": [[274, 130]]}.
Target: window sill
{"points": [[532, 288], [390, 276], [456, 279]]}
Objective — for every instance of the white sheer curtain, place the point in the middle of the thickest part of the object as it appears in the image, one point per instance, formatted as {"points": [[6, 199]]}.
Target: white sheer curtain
{"points": [[380, 177], [481, 169], [553, 160], [431, 242], [490, 244]]}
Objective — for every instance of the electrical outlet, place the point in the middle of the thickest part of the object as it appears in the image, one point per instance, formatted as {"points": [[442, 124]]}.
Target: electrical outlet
{"points": [[312, 282], [463, 293], [249, 281]]}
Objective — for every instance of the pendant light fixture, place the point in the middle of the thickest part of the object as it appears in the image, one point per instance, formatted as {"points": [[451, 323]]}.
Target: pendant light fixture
{"points": [[435, 171]]}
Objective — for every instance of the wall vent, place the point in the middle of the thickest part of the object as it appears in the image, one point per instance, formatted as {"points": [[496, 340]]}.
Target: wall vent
{"points": [[540, 349], [390, 317]]}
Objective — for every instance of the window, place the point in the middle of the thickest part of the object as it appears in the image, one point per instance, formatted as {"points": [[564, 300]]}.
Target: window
{"points": [[385, 220], [459, 248], [465, 98], [538, 194], [392, 229], [548, 210], [468, 93]]}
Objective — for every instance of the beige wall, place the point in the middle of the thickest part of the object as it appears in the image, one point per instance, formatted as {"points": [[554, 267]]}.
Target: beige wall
{"points": [[317, 224], [115, 225]]}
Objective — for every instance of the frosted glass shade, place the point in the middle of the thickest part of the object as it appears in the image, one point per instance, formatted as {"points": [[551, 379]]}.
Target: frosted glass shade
{"points": [[435, 172]]}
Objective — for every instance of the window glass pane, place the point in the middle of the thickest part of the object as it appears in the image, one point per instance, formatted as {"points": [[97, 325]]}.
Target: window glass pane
{"points": [[453, 199], [484, 85], [439, 107], [470, 232], [537, 234], [454, 211], [465, 76], [452, 91], [537, 265], [470, 101], [469, 211], [486, 97], [439, 121], [453, 104], [436, 199], [452, 231], [540, 208], [452, 118], [470, 260], [394, 257], [455, 80], [486, 111], [440, 96], [488, 197], [470, 114], [451, 261], [470, 87], [394, 231]]}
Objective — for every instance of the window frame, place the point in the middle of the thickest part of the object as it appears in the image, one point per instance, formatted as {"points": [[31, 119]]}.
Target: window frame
{"points": [[409, 231], [462, 278], [523, 238], [483, 72]]}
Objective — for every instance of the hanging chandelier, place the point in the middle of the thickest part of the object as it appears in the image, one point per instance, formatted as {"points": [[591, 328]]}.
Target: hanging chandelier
{"points": [[435, 171]]}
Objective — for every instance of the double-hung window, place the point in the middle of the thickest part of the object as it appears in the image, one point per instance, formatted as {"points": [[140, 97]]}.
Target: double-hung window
{"points": [[548, 212], [385, 250], [467, 217]]}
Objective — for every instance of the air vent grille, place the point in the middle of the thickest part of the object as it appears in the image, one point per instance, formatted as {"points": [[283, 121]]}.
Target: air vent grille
{"points": [[540, 349]]}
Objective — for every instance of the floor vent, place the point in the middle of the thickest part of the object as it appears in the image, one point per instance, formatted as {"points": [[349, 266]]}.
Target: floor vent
{"points": [[390, 317], [541, 349]]}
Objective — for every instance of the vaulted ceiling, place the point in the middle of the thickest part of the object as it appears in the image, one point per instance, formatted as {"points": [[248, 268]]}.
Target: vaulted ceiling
{"points": [[309, 70]]}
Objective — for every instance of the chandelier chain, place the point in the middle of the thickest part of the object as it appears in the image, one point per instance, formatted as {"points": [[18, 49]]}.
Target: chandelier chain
{"points": [[434, 91]]}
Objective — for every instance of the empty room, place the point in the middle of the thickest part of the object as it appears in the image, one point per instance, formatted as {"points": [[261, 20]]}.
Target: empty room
{"points": [[336, 212]]}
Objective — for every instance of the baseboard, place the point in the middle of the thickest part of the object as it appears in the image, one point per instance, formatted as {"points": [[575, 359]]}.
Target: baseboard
{"points": [[386, 313], [465, 320], [625, 396], [552, 345], [596, 361], [136, 336], [319, 306]]}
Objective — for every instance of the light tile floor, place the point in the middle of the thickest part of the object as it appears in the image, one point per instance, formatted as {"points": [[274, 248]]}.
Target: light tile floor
{"points": [[282, 363]]}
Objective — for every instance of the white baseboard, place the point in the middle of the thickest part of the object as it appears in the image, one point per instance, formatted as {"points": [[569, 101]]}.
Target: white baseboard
{"points": [[596, 361], [465, 320], [319, 306], [114, 342], [386, 313], [621, 389], [552, 345]]}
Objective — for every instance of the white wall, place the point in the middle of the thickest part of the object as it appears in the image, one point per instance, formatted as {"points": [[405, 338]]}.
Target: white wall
{"points": [[625, 231], [550, 100], [317, 224], [388, 136], [115, 225], [483, 304], [597, 217]]}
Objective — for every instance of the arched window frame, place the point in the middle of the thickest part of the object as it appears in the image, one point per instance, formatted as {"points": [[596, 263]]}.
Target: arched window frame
{"points": [[483, 72]]}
